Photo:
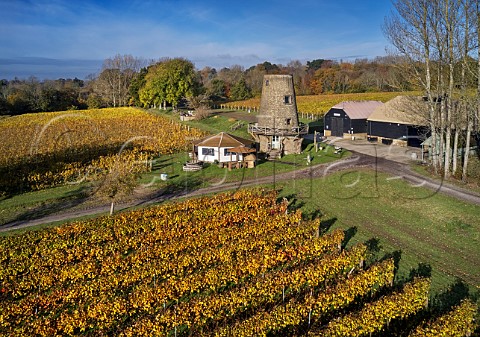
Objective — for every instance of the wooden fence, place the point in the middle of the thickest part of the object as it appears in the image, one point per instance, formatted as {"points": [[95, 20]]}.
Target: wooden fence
{"points": [[303, 115]]}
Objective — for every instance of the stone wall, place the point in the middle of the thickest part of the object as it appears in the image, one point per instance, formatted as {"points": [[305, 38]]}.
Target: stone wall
{"points": [[289, 144], [292, 145], [278, 105], [264, 143], [278, 116]]}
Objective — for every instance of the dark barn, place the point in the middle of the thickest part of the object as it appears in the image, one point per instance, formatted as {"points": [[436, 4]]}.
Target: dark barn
{"points": [[400, 121], [349, 119]]}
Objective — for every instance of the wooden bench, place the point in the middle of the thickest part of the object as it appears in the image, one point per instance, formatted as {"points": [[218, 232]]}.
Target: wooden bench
{"points": [[192, 166]]}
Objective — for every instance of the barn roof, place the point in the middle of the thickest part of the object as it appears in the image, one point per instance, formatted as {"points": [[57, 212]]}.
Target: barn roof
{"points": [[407, 110], [224, 139], [358, 109]]}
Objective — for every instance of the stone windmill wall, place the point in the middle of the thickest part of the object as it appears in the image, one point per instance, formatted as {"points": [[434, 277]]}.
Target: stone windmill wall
{"points": [[278, 105], [277, 128]]}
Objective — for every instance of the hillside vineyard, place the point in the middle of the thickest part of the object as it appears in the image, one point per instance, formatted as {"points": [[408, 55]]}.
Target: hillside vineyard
{"points": [[48, 149], [235, 264]]}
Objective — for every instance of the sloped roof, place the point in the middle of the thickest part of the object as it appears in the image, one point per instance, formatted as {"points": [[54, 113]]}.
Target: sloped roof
{"points": [[223, 139], [358, 109], [407, 110], [242, 149]]}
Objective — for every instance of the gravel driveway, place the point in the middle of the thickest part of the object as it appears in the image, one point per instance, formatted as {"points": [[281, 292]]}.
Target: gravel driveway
{"points": [[395, 153]]}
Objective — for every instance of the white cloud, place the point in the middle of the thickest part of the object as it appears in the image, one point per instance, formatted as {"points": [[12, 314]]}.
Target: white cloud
{"points": [[207, 33]]}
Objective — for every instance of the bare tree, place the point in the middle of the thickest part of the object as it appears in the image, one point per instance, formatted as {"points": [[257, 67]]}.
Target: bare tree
{"points": [[473, 115], [299, 72], [434, 37], [115, 78], [410, 32], [254, 79]]}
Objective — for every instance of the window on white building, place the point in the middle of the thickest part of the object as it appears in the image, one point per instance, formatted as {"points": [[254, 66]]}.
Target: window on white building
{"points": [[208, 151]]}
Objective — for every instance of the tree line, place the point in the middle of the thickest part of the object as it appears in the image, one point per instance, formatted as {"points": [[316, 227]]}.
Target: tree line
{"points": [[125, 80], [436, 44], [434, 50]]}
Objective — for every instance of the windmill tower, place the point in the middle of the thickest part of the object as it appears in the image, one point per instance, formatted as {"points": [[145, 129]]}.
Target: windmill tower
{"points": [[278, 130]]}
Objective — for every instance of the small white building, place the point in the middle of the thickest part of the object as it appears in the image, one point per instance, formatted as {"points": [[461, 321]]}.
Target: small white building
{"points": [[216, 148]]}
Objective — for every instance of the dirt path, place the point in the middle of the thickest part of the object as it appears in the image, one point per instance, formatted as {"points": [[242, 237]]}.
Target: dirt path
{"points": [[357, 160], [240, 115]]}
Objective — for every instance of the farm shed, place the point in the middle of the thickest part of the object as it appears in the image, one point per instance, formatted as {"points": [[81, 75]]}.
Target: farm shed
{"points": [[401, 121], [217, 148], [349, 119]]}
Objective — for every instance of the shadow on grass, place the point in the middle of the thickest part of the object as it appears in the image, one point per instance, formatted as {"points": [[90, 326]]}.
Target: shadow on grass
{"points": [[292, 202], [455, 293], [396, 256], [349, 234], [373, 245], [373, 248], [325, 225], [423, 270], [307, 214], [69, 200], [158, 166]]}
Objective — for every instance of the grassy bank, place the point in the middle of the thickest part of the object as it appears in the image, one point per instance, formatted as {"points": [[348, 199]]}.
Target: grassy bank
{"points": [[219, 120], [212, 174], [428, 233], [421, 227], [36, 204]]}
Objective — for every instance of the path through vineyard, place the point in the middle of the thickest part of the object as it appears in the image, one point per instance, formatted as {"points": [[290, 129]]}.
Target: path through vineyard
{"points": [[357, 160]]}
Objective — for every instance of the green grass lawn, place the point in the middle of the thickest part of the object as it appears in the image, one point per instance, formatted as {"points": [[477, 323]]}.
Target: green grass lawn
{"points": [[426, 230], [215, 123], [424, 227], [34, 204], [212, 174], [44, 202]]}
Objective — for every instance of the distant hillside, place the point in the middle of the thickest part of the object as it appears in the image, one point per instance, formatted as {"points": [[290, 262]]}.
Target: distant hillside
{"points": [[320, 104]]}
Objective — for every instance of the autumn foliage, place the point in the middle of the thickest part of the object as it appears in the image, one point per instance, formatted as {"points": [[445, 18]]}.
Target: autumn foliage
{"points": [[235, 264], [46, 149]]}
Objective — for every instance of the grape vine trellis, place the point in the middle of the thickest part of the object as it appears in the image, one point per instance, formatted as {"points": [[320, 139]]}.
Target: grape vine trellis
{"points": [[235, 264], [46, 149]]}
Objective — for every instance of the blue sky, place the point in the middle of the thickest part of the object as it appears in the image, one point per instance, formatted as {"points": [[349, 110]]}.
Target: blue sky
{"points": [[68, 38]]}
